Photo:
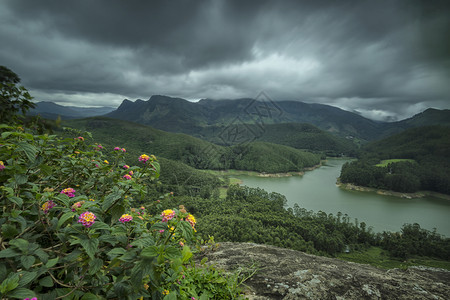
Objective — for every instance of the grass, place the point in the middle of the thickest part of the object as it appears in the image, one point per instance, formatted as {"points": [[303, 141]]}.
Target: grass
{"points": [[385, 162], [380, 258]]}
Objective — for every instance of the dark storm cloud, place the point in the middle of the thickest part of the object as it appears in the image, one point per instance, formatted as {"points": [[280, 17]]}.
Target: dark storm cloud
{"points": [[384, 59]]}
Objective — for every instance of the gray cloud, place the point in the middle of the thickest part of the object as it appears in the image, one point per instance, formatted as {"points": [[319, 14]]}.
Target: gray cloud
{"points": [[383, 59]]}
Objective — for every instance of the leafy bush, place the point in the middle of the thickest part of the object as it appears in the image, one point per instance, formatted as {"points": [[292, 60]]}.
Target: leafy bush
{"points": [[69, 229]]}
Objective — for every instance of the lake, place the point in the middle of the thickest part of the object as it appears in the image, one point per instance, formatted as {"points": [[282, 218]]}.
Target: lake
{"points": [[317, 190]]}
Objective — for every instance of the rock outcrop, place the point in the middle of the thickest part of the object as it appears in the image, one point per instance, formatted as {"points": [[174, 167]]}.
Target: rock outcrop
{"points": [[289, 274]]}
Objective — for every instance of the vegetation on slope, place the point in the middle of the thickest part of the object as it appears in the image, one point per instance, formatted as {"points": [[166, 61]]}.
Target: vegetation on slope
{"points": [[296, 135], [254, 215], [423, 162], [195, 152]]}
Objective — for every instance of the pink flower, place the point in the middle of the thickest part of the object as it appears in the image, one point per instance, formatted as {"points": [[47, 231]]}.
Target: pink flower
{"points": [[79, 138], [77, 205], [98, 147], [116, 148], [123, 150], [87, 219], [2, 166], [127, 177], [69, 192], [167, 215], [144, 157], [131, 172], [47, 206], [126, 167], [126, 218]]}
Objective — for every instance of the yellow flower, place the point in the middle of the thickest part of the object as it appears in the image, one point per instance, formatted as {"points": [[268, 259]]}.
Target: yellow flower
{"points": [[166, 292], [106, 162]]}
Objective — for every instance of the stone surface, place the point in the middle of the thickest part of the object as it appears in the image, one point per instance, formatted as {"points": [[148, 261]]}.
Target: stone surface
{"points": [[289, 274]]}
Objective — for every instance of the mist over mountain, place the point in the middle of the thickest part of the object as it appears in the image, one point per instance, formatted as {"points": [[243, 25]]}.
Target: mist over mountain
{"points": [[52, 110]]}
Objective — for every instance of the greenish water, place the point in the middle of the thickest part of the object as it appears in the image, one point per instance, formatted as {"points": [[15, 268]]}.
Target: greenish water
{"points": [[317, 190]]}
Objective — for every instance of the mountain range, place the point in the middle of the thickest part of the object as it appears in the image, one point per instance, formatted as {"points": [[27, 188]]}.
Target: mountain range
{"points": [[205, 116], [214, 120]]}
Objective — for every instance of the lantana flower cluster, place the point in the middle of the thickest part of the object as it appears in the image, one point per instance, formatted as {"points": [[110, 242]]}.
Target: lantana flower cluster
{"points": [[47, 206], [69, 192], [77, 205], [2, 166], [87, 219], [120, 149], [167, 215], [126, 218], [144, 158]]}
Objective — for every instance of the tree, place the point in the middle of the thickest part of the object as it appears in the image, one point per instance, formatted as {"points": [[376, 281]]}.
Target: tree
{"points": [[14, 99]]}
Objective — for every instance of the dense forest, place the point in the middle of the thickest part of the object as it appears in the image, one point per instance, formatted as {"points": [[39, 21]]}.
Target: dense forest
{"points": [[254, 215], [417, 159]]}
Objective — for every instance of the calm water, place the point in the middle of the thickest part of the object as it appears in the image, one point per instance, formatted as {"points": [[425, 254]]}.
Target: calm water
{"points": [[317, 190]]}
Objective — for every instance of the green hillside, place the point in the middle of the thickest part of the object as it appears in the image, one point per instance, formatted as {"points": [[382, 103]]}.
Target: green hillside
{"points": [[297, 135], [194, 152], [420, 160]]}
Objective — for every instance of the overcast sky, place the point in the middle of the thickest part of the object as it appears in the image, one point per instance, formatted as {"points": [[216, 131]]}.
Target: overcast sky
{"points": [[384, 59]]}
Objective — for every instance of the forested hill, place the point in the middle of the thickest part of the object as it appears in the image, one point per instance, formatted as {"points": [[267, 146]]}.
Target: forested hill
{"points": [[416, 159], [254, 156], [296, 135]]}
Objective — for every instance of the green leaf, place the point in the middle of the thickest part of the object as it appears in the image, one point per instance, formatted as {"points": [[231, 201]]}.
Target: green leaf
{"points": [[186, 254], [117, 211], [46, 281], [107, 238], [27, 261], [52, 262], [172, 252], [90, 246], [47, 170], [3, 272], [21, 244], [9, 231], [29, 150], [26, 278], [64, 218], [150, 251], [100, 225], [159, 226], [43, 256], [16, 200], [20, 179], [21, 293], [116, 252], [171, 296], [89, 296], [95, 266], [64, 199], [9, 283], [110, 199], [144, 242], [9, 253]]}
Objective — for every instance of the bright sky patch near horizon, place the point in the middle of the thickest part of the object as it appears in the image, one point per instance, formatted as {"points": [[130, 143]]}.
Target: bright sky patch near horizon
{"points": [[386, 60]]}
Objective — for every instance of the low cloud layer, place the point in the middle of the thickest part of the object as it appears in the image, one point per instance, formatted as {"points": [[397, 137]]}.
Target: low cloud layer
{"points": [[386, 60]]}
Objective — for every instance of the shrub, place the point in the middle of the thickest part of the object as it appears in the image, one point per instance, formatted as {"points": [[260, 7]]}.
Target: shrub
{"points": [[69, 229]]}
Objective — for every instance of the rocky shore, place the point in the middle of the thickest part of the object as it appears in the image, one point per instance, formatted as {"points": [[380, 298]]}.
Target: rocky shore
{"points": [[289, 274]]}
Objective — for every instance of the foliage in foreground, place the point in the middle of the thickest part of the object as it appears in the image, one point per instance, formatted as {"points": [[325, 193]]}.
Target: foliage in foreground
{"points": [[70, 227]]}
